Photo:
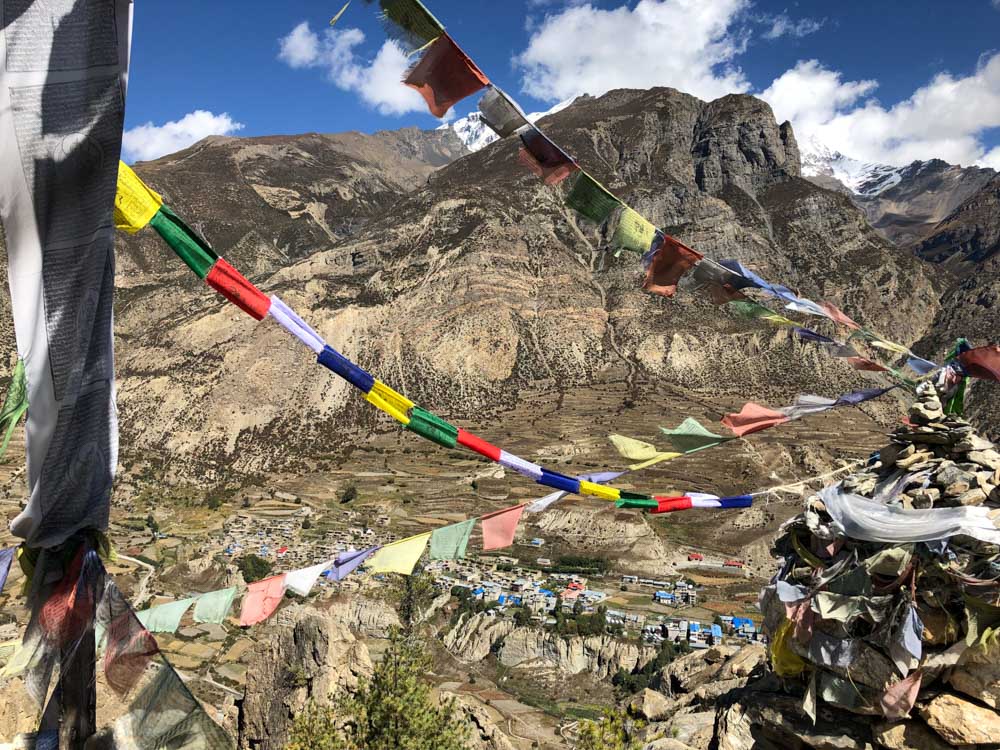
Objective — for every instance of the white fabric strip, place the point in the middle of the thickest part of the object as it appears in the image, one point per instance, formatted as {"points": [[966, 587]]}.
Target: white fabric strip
{"points": [[302, 581], [295, 325], [528, 469]]}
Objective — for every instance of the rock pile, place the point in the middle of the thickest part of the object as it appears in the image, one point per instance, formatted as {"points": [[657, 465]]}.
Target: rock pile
{"points": [[891, 621]]}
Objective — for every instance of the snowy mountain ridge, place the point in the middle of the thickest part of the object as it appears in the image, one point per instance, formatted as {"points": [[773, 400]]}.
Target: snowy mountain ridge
{"points": [[476, 134], [862, 178]]}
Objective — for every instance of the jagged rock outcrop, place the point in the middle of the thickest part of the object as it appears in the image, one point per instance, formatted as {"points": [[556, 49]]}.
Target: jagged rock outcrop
{"points": [[310, 658], [365, 616], [484, 734], [472, 638]]}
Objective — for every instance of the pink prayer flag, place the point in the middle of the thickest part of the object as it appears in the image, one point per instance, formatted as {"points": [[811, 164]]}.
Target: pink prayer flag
{"points": [[838, 316], [983, 363], [499, 527], [900, 696], [753, 418], [263, 597], [801, 615]]}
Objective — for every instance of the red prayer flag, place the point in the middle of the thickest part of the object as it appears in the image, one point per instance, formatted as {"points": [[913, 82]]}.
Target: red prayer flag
{"points": [[445, 75], [127, 654], [263, 597], [499, 527], [670, 504], [71, 605], [232, 285], [983, 363], [837, 315], [860, 363], [753, 418], [670, 262], [477, 444]]}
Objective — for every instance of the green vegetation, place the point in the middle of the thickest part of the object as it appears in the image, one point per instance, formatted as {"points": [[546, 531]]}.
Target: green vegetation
{"points": [[253, 567], [580, 564], [614, 732], [392, 710], [468, 604], [578, 623], [648, 674], [416, 592], [152, 524], [349, 493]]}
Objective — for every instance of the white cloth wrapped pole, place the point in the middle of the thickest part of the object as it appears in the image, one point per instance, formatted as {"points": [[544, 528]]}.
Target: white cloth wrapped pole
{"points": [[860, 518]]}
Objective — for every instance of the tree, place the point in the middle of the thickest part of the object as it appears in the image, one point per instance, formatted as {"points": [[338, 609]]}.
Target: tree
{"points": [[253, 567], [416, 596], [152, 524], [522, 617], [392, 710], [614, 732], [349, 493]]}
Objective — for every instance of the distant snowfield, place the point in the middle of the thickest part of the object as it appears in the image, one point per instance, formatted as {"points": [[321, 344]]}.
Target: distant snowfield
{"points": [[476, 135], [862, 178]]}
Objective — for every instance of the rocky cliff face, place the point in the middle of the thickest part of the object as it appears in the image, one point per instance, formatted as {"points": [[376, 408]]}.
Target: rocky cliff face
{"points": [[480, 283], [474, 638]]}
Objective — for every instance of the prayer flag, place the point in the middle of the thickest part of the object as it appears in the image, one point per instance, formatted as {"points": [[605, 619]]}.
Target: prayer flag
{"points": [[410, 22], [808, 404], [753, 310], [164, 618], [670, 261], [261, 600], [544, 503], [214, 606], [637, 450], [671, 504], [866, 365], [135, 203], [591, 199], [634, 232], [753, 418], [445, 75], [189, 247], [599, 490], [129, 650], [499, 527], [477, 444], [518, 464], [920, 365], [690, 435], [399, 557], [899, 697], [292, 323], [15, 405], [347, 562], [717, 282], [72, 604], [630, 500], [858, 397], [302, 581], [983, 362], [450, 542], [543, 157], [396, 405], [337, 363], [500, 113], [433, 428], [835, 314], [333, 21], [559, 481], [232, 285], [6, 557]]}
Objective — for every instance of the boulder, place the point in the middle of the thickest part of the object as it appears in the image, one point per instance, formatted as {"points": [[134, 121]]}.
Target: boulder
{"points": [[665, 743], [484, 734], [651, 705], [695, 729], [744, 661], [907, 735], [767, 721], [961, 722], [979, 677]]}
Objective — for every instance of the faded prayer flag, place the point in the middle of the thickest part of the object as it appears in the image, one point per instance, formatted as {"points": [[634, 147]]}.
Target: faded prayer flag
{"points": [[670, 261], [500, 113], [347, 562], [544, 157], [982, 363], [637, 450], [866, 365], [399, 557], [755, 311], [633, 231], [753, 418], [410, 22], [899, 697], [591, 199], [128, 652], [690, 435], [499, 527], [451, 542], [261, 600], [64, 75], [806, 405], [164, 618], [302, 581], [445, 75], [6, 558], [214, 606], [835, 314], [718, 283]]}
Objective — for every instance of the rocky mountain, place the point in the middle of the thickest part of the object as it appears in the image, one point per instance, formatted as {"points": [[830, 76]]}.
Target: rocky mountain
{"points": [[476, 134], [479, 286]]}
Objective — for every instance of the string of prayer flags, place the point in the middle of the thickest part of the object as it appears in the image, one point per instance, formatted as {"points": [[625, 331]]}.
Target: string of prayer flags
{"points": [[500, 113], [15, 405], [670, 260], [409, 22], [808, 404], [135, 203], [543, 157], [130, 647], [983, 362], [718, 283], [232, 285], [214, 606], [261, 600], [637, 450], [347, 562], [591, 199], [699, 500], [633, 231], [451, 542], [189, 247], [291, 322], [478, 445], [302, 581], [445, 75], [499, 527], [399, 557], [543, 503], [690, 436], [753, 418], [6, 558], [164, 618], [396, 405]]}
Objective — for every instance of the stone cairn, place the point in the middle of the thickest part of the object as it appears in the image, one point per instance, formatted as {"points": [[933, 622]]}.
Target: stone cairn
{"points": [[900, 641]]}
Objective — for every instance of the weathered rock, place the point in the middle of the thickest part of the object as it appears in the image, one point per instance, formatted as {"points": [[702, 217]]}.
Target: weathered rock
{"points": [[907, 735], [961, 722], [988, 458], [973, 497], [979, 676], [484, 734], [472, 638], [694, 729], [369, 617], [744, 661], [650, 705], [690, 671], [775, 722], [666, 743], [601, 656]]}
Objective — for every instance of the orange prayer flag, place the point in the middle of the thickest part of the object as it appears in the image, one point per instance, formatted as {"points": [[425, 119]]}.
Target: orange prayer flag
{"points": [[263, 597], [983, 363], [753, 418], [669, 263], [445, 75]]}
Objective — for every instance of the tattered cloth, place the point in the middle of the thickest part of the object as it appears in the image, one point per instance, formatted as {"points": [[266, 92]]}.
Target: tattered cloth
{"points": [[543, 157], [445, 75], [671, 259]]}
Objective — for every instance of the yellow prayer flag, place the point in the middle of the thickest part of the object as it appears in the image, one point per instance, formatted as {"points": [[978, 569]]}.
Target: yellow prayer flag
{"points": [[394, 404], [890, 346], [778, 320], [633, 449], [654, 460], [786, 662], [135, 203], [399, 557], [599, 490], [634, 232]]}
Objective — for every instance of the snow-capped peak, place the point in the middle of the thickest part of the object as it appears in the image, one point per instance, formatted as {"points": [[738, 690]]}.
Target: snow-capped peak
{"points": [[476, 134], [862, 178]]}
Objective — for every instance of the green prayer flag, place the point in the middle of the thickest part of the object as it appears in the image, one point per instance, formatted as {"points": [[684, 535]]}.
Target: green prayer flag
{"points": [[690, 435], [15, 404], [166, 618], [591, 199], [410, 22], [956, 404], [214, 606], [636, 502], [191, 248], [432, 427], [634, 232], [754, 311], [450, 542]]}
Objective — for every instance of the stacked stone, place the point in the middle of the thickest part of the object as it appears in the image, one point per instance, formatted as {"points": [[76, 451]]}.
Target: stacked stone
{"points": [[909, 633]]}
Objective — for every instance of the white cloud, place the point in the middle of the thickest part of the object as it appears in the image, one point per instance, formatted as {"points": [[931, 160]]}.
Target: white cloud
{"points": [[783, 25], [687, 44], [992, 159], [944, 119], [149, 141], [378, 82]]}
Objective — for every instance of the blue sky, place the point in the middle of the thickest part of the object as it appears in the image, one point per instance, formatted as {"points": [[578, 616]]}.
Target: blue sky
{"points": [[879, 80]]}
